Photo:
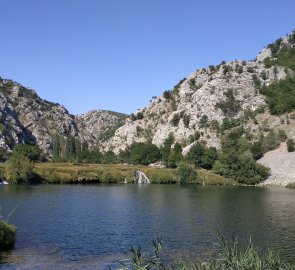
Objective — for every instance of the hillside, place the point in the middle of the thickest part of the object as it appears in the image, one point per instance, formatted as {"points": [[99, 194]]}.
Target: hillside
{"points": [[258, 95], [27, 118], [213, 100]]}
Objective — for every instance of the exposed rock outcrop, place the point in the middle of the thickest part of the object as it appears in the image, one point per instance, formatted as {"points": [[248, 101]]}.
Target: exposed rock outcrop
{"points": [[200, 103], [26, 118]]}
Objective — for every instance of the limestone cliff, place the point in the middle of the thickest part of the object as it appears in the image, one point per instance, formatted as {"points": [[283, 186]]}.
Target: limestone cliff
{"points": [[27, 118], [198, 107], [200, 104]]}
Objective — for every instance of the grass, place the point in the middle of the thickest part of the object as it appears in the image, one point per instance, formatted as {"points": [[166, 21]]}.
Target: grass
{"points": [[229, 256], [7, 235], [113, 173], [291, 185]]}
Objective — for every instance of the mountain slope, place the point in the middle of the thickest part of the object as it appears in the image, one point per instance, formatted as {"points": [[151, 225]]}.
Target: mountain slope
{"points": [[26, 118], [210, 101]]}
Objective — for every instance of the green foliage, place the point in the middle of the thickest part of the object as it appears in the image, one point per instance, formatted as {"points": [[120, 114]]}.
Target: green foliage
{"points": [[167, 94], [237, 160], [257, 150], [3, 129], [203, 121], [256, 81], [229, 123], [31, 152], [7, 235], [285, 56], [19, 169], [175, 120], [290, 145], [280, 96], [230, 107], [175, 156], [230, 256], [271, 141], [201, 156], [187, 174], [166, 148], [3, 154], [143, 153], [186, 120]]}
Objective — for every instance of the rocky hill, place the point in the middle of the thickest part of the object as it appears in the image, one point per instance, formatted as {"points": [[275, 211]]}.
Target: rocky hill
{"points": [[258, 95], [26, 118], [213, 99]]}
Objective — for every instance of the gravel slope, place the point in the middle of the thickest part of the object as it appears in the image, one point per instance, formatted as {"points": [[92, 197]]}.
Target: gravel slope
{"points": [[282, 165]]}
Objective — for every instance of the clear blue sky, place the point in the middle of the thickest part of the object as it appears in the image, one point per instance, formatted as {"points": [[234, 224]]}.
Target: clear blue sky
{"points": [[117, 54]]}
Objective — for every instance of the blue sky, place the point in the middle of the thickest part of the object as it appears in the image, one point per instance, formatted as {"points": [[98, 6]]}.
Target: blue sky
{"points": [[117, 54]]}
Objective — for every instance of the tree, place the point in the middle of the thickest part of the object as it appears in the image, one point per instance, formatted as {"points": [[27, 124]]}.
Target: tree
{"points": [[187, 174], [31, 152], [195, 154], [175, 156], [144, 153]]}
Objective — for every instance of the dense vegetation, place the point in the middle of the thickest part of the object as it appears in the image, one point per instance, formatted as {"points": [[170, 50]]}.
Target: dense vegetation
{"points": [[281, 94], [7, 235], [229, 256], [236, 160]]}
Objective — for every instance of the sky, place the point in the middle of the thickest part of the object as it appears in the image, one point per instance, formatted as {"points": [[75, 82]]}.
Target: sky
{"points": [[117, 54]]}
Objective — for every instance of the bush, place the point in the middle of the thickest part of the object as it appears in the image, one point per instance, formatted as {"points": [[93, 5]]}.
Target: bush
{"points": [[290, 145], [280, 96], [31, 152], [175, 120], [7, 235], [19, 169], [144, 154], [167, 94], [187, 174]]}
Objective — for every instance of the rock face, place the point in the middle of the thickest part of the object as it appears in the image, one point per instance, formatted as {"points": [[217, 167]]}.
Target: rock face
{"points": [[96, 127], [201, 102], [196, 108], [26, 118]]}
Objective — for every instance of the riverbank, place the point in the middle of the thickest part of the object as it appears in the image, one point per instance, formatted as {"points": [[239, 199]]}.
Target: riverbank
{"points": [[49, 172]]}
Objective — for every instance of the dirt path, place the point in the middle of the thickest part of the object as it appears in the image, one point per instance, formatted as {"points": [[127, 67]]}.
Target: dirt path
{"points": [[282, 165]]}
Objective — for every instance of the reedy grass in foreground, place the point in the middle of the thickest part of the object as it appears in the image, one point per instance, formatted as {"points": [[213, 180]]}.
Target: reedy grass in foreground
{"points": [[230, 256]]}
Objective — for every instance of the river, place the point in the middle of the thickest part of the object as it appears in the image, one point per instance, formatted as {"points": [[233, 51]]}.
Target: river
{"points": [[93, 226]]}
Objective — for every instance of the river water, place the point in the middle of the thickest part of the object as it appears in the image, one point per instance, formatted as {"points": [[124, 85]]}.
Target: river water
{"points": [[93, 226]]}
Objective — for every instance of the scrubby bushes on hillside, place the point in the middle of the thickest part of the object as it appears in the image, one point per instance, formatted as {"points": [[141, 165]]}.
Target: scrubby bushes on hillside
{"points": [[280, 96]]}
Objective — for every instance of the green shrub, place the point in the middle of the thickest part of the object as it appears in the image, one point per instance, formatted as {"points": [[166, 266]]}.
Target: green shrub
{"points": [[203, 121], [19, 169], [280, 96], [144, 153], [31, 152], [187, 174], [7, 235], [175, 120], [290, 145], [167, 94]]}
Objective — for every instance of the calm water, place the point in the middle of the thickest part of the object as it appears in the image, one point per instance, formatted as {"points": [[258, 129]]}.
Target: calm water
{"points": [[91, 226]]}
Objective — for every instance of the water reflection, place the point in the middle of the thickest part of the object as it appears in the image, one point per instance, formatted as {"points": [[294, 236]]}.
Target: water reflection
{"points": [[96, 224]]}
